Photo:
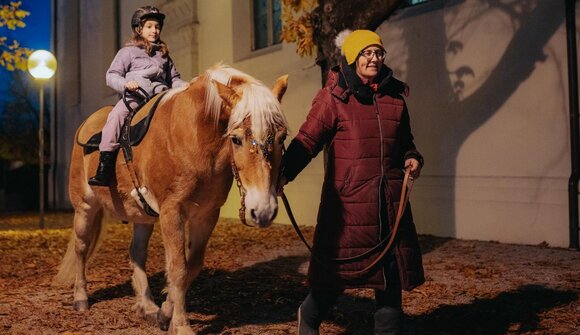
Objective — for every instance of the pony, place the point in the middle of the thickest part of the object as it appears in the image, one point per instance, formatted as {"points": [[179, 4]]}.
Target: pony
{"points": [[224, 124]]}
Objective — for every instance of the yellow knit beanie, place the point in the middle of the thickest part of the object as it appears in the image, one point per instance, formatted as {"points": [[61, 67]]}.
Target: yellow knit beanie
{"points": [[357, 41]]}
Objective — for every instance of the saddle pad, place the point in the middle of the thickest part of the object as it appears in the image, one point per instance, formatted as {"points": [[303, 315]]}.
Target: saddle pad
{"points": [[89, 134]]}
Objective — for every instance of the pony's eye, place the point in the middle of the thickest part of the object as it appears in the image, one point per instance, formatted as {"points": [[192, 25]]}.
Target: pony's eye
{"points": [[236, 140]]}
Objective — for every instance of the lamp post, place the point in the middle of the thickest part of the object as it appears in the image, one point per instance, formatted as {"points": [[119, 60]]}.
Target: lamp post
{"points": [[42, 66]]}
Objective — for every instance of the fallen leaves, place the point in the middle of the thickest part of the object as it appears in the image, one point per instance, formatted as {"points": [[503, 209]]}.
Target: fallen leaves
{"points": [[254, 279]]}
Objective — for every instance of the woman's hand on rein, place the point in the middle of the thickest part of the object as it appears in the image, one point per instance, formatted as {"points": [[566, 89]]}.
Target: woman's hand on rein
{"points": [[132, 85], [415, 167]]}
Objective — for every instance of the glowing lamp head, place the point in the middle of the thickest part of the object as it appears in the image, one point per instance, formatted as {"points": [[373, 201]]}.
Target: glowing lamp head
{"points": [[42, 64]]}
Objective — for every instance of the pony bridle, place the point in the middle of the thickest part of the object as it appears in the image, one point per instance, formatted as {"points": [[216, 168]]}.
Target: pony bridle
{"points": [[266, 149]]}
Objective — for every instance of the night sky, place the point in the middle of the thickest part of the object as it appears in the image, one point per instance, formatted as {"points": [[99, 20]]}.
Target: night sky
{"points": [[36, 35]]}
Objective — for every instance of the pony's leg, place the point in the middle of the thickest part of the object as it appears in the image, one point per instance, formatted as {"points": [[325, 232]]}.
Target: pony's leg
{"points": [[172, 312], [199, 234], [87, 229], [144, 306]]}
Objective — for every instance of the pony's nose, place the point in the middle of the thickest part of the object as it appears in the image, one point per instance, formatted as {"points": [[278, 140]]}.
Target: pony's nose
{"points": [[263, 218], [261, 208], [254, 216]]}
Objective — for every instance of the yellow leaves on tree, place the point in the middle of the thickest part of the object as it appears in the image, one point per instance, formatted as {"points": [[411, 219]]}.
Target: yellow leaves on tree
{"points": [[297, 24], [12, 55], [12, 16]]}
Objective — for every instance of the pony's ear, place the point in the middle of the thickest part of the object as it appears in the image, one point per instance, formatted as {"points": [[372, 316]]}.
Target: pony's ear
{"points": [[280, 87], [228, 94]]}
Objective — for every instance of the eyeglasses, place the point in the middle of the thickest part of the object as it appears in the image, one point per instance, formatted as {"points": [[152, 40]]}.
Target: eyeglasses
{"points": [[368, 54]]}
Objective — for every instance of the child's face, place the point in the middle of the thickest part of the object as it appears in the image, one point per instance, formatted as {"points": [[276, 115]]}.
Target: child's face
{"points": [[151, 30]]}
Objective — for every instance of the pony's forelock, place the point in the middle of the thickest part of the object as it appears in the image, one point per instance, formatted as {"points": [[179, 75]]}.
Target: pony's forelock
{"points": [[257, 102], [262, 107]]}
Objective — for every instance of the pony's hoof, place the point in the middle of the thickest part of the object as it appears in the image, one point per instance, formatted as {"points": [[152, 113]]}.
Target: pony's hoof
{"points": [[181, 330], [151, 318], [81, 305], [148, 313], [162, 320]]}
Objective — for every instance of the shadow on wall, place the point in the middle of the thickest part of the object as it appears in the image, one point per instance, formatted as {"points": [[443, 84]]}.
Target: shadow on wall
{"points": [[445, 115]]}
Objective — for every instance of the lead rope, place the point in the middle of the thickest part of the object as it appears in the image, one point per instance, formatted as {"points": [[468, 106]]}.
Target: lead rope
{"points": [[403, 201]]}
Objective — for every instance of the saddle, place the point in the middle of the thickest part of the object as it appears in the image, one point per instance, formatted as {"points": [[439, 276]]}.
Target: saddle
{"points": [[134, 129], [89, 134]]}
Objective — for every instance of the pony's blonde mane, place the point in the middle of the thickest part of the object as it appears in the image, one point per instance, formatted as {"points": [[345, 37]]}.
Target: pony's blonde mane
{"points": [[173, 91], [257, 102]]}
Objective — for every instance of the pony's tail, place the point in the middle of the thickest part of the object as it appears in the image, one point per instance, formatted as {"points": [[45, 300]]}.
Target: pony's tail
{"points": [[67, 269]]}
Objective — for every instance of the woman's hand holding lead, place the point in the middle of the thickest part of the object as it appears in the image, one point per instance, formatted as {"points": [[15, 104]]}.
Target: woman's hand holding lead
{"points": [[415, 167]]}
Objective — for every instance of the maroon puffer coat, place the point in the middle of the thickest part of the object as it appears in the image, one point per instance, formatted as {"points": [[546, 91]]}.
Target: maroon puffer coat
{"points": [[368, 138]]}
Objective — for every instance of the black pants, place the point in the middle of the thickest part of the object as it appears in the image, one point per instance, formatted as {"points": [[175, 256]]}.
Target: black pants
{"points": [[318, 302]]}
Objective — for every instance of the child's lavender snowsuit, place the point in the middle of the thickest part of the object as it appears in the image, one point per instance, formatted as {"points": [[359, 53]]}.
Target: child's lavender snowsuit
{"points": [[153, 73]]}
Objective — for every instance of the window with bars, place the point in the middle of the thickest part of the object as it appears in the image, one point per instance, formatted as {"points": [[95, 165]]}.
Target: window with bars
{"points": [[267, 24]]}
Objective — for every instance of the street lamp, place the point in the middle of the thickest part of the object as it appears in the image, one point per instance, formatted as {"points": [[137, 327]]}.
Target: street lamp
{"points": [[42, 66]]}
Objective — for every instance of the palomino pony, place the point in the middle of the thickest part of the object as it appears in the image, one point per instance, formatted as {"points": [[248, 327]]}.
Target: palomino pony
{"points": [[224, 123]]}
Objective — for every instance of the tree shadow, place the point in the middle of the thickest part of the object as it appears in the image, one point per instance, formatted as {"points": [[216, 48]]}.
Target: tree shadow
{"points": [[514, 311], [519, 308], [259, 277], [117, 291], [270, 292], [445, 131], [264, 293]]}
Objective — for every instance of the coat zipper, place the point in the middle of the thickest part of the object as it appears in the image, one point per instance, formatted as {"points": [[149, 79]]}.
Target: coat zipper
{"points": [[377, 113]]}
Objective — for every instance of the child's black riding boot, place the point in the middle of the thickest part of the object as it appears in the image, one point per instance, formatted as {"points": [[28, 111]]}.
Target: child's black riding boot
{"points": [[105, 170], [389, 321]]}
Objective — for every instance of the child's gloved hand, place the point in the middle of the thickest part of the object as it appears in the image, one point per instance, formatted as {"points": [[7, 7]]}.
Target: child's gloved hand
{"points": [[132, 85]]}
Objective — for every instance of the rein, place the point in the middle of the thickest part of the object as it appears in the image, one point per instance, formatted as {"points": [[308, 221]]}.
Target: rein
{"points": [[403, 201]]}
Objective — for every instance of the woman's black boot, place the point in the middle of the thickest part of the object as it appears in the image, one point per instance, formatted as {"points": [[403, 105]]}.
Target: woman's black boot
{"points": [[303, 327], [389, 321], [105, 170]]}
